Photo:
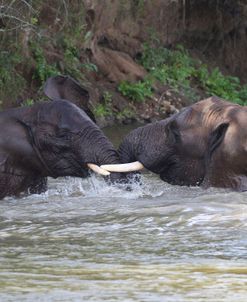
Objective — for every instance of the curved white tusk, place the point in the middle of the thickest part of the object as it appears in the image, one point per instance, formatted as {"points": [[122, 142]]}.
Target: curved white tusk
{"points": [[129, 167], [98, 169]]}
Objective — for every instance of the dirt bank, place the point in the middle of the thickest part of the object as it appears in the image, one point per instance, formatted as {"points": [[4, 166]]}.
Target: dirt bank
{"points": [[114, 33]]}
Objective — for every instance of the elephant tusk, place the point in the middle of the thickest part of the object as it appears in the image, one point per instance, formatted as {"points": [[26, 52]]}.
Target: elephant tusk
{"points": [[98, 169], [129, 167]]}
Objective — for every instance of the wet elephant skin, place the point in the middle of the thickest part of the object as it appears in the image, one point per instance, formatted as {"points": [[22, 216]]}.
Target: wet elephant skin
{"points": [[204, 144]]}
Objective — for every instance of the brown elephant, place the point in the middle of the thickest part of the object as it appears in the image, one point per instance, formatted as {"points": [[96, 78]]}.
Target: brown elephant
{"points": [[204, 144]]}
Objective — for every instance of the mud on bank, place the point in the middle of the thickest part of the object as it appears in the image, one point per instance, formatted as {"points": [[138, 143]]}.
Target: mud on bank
{"points": [[100, 44]]}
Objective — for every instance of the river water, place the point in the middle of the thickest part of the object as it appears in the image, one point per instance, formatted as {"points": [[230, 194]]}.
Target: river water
{"points": [[85, 241]]}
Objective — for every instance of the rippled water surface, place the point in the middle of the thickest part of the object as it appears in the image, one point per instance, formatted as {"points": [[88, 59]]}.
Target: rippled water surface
{"points": [[85, 241]]}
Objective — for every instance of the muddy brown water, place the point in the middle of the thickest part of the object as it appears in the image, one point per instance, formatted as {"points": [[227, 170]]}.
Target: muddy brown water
{"points": [[85, 241]]}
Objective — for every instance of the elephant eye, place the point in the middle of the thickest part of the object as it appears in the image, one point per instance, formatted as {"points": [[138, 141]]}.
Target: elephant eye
{"points": [[64, 134]]}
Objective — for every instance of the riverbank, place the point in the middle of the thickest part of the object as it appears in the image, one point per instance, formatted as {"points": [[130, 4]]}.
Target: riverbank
{"points": [[138, 61]]}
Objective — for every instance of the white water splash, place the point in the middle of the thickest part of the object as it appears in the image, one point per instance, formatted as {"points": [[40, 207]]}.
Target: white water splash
{"points": [[95, 186]]}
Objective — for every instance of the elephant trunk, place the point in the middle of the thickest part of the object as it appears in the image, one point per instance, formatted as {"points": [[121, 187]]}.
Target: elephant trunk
{"points": [[145, 145], [128, 150], [99, 151]]}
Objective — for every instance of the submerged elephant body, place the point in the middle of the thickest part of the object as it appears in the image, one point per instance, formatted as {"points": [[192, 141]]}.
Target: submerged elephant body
{"points": [[204, 144]]}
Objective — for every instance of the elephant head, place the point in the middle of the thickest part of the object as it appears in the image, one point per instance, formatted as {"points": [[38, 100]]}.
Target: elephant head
{"points": [[205, 143], [227, 162]]}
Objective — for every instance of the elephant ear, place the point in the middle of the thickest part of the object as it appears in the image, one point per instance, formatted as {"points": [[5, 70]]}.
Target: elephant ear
{"points": [[215, 140], [64, 87], [172, 132], [216, 137], [32, 138]]}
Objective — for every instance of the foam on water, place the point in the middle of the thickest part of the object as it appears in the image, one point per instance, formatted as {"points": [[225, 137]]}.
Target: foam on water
{"points": [[96, 186], [151, 187]]}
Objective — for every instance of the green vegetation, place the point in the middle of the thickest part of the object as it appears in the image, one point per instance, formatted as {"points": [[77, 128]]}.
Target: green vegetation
{"points": [[11, 81], [27, 102], [37, 45], [227, 87], [43, 70], [138, 6], [172, 67], [104, 109], [125, 113], [138, 91], [72, 63], [184, 74]]}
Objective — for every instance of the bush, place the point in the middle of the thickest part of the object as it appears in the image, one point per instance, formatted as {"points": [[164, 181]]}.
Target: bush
{"points": [[138, 91], [227, 87], [172, 67], [43, 70], [179, 70], [104, 109]]}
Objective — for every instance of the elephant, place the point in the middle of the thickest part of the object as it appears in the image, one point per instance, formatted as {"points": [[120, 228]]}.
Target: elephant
{"points": [[203, 144], [52, 138]]}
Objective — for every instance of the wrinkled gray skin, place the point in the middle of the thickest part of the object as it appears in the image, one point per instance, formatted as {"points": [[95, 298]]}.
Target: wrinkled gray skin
{"points": [[49, 139], [204, 144]]}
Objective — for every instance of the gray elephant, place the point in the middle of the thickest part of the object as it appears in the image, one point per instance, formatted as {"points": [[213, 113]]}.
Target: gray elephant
{"points": [[50, 139], [204, 144]]}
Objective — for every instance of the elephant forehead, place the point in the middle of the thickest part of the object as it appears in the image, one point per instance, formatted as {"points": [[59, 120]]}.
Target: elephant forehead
{"points": [[194, 141], [241, 117], [215, 110], [238, 122]]}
